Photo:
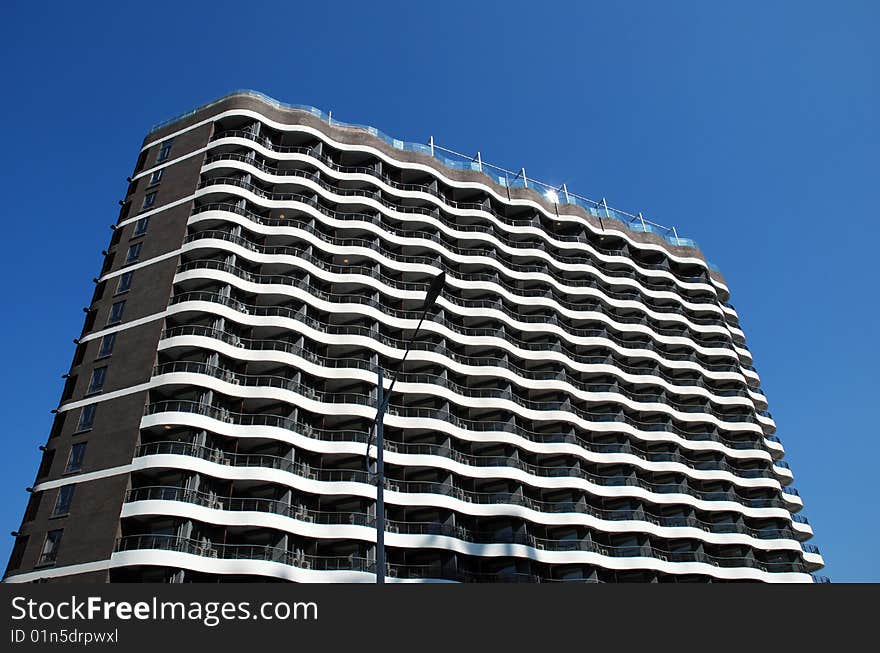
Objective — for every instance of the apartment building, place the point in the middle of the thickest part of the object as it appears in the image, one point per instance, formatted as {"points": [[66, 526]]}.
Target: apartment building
{"points": [[580, 404]]}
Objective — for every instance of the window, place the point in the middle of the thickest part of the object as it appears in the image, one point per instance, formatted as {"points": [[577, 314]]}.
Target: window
{"points": [[17, 552], [86, 418], [116, 312], [133, 253], [108, 262], [46, 463], [164, 151], [69, 387], [124, 284], [149, 200], [33, 506], [63, 501], [79, 354], [123, 211], [156, 177], [89, 322], [99, 291], [75, 458], [140, 227], [57, 425], [99, 376], [107, 343], [50, 547]]}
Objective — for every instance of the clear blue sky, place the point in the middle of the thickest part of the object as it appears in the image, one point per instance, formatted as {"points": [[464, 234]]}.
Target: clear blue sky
{"points": [[752, 127]]}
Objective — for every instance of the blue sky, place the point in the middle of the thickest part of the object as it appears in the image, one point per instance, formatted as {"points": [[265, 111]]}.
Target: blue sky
{"points": [[752, 127]]}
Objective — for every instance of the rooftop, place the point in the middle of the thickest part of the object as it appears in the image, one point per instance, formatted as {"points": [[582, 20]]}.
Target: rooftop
{"points": [[555, 194]]}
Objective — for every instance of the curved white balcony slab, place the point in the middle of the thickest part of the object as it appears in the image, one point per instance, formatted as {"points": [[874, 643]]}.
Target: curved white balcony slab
{"points": [[317, 487], [420, 195], [437, 171], [236, 430]]}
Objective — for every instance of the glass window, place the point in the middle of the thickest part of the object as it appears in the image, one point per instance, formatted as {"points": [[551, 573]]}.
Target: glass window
{"points": [[149, 200], [108, 262], [156, 177], [99, 291], [86, 418], [33, 506], [69, 387], [50, 547], [46, 463], [107, 343], [116, 312], [164, 151], [99, 376], [63, 501], [124, 284], [134, 252], [17, 552], [79, 354], [140, 227], [57, 425], [75, 459], [90, 320]]}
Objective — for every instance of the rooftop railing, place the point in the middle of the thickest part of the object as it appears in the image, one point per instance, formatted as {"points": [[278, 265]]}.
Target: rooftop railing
{"points": [[556, 194]]}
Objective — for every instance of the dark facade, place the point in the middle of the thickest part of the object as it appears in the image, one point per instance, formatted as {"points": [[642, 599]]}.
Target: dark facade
{"points": [[581, 407]]}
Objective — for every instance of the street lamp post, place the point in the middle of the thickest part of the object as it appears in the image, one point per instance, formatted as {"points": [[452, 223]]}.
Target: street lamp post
{"points": [[382, 399]]}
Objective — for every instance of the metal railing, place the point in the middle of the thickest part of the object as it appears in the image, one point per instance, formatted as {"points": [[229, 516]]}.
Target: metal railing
{"points": [[643, 344], [645, 375], [514, 394], [626, 448], [495, 462], [501, 176], [646, 225], [430, 214], [499, 305], [359, 476], [552, 284], [563, 411], [583, 259], [206, 548], [209, 549], [342, 435]]}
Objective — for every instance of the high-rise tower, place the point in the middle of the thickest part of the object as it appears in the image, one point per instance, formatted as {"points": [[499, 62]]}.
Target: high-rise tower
{"points": [[579, 406]]}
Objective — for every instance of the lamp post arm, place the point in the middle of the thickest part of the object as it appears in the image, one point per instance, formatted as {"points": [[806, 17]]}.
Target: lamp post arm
{"points": [[383, 405], [382, 399], [400, 364]]}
